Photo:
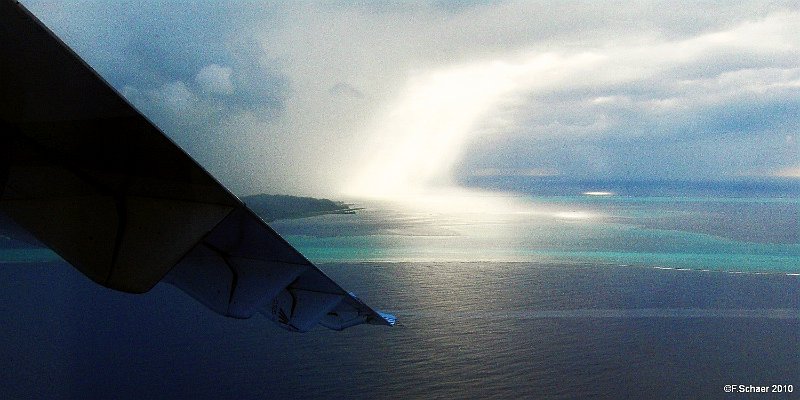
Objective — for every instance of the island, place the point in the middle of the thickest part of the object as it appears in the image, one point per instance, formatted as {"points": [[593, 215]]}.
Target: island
{"points": [[272, 207]]}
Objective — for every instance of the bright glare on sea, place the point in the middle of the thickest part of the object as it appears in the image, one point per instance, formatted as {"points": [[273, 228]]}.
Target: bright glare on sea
{"points": [[633, 291]]}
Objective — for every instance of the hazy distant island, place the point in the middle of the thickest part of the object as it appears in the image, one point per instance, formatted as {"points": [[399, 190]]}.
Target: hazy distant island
{"points": [[273, 207]]}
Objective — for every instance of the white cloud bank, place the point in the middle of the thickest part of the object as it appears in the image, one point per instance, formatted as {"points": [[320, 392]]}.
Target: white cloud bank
{"points": [[702, 87], [381, 98]]}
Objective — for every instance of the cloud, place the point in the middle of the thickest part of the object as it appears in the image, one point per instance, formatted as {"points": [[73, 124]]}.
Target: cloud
{"points": [[623, 111], [300, 97], [791, 172], [539, 172], [215, 79], [345, 90], [176, 98]]}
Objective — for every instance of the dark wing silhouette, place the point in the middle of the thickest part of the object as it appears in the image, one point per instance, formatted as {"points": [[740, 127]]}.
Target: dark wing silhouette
{"points": [[90, 177]]}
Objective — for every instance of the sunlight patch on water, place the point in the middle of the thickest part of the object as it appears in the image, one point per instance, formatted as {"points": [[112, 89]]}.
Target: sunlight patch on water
{"points": [[573, 215], [598, 193]]}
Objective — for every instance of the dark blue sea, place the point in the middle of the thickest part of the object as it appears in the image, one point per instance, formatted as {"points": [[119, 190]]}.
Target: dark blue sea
{"points": [[594, 290]]}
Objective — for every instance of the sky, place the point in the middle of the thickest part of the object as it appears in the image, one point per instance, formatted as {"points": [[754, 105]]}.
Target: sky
{"points": [[378, 98]]}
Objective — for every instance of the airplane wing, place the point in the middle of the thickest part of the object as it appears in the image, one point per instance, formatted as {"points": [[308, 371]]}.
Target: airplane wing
{"points": [[93, 179]]}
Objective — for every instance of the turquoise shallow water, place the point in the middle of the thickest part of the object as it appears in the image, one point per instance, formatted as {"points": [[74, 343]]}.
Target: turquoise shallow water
{"points": [[753, 234], [744, 228]]}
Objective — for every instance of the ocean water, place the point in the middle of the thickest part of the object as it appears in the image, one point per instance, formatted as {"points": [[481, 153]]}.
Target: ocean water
{"points": [[743, 227], [633, 295]]}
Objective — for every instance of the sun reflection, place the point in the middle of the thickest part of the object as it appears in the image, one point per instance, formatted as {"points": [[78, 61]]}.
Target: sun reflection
{"points": [[419, 137], [573, 215], [598, 193]]}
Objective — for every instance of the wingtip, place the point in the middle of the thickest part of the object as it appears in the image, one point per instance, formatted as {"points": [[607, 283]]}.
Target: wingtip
{"points": [[389, 319], [385, 318]]}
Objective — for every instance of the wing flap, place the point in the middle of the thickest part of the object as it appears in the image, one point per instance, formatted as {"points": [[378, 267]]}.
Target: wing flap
{"points": [[300, 310], [242, 267]]}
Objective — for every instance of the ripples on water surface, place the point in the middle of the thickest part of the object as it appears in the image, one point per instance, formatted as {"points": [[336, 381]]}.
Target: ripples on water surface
{"points": [[489, 330], [531, 304]]}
